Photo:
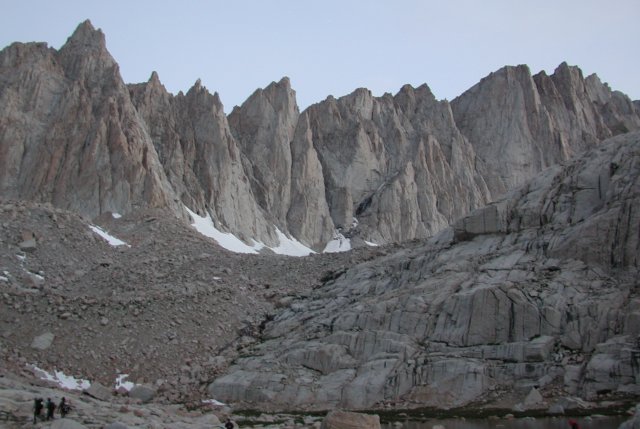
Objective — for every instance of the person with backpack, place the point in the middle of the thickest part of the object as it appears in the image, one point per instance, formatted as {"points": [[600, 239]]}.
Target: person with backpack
{"points": [[64, 407], [37, 409], [51, 408]]}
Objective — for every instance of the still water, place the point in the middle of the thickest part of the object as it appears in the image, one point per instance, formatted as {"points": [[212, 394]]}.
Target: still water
{"points": [[523, 423]]}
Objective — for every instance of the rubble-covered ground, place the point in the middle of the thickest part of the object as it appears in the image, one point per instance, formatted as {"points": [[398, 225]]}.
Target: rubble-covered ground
{"points": [[171, 308]]}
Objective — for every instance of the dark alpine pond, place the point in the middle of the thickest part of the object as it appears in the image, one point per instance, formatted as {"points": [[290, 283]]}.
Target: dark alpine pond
{"points": [[595, 422]]}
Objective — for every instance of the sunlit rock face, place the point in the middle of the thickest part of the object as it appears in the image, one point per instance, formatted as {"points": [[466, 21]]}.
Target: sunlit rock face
{"points": [[536, 289], [69, 133], [397, 164], [520, 124], [201, 158]]}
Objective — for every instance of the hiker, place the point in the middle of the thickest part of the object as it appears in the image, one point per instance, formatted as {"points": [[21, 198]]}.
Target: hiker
{"points": [[573, 424], [64, 407], [228, 424], [37, 409], [51, 407]]}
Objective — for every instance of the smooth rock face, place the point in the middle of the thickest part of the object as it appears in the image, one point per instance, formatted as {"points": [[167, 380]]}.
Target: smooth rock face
{"points": [[536, 289], [396, 164], [69, 133], [520, 124], [308, 217], [201, 158], [264, 126]]}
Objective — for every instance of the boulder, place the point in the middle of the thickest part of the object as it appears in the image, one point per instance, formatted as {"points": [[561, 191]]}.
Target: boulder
{"points": [[28, 245], [349, 420], [98, 391], [43, 342], [633, 422], [533, 400], [142, 392]]}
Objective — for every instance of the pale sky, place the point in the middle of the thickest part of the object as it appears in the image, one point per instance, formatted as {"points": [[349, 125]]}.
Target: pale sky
{"points": [[333, 47]]}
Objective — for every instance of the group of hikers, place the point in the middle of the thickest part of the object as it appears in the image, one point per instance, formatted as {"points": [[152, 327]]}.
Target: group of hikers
{"points": [[39, 406]]}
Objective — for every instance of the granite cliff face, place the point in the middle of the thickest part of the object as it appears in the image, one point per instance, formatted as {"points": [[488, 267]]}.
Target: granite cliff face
{"points": [[537, 290], [201, 158], [376, 169], [264, 126], [69, 133], [520, 124], [397, 165]]}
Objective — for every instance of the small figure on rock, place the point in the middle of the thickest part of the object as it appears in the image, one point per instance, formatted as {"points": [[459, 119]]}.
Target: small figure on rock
{"points": [[64, 407], [51, 408], [37, 409], [229, 424], [573, 424]]}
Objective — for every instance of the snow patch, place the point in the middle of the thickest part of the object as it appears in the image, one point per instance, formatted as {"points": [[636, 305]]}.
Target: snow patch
{"points": [[338, 244], [204, 225], [290, 246], [287, 245], [121, 383], [4, 279], [212, 402], [61, 379], [116, 215], [369, 243], [109, 238], [21, 257]]}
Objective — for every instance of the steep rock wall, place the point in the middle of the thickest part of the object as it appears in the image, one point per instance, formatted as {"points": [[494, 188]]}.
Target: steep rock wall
{"points": [[377, 169], [69, 133]]}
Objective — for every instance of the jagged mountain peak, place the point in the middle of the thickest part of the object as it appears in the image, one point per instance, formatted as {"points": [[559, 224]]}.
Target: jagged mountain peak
{"points": [[85, 57], [86, 36], [284, 82], [565, 68], [154, 78], [409, 97], [279, 95], [422, 89], [358, 94], [198, 90], [509, 72], [378, 158], [153, 85], [568, 78]]}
